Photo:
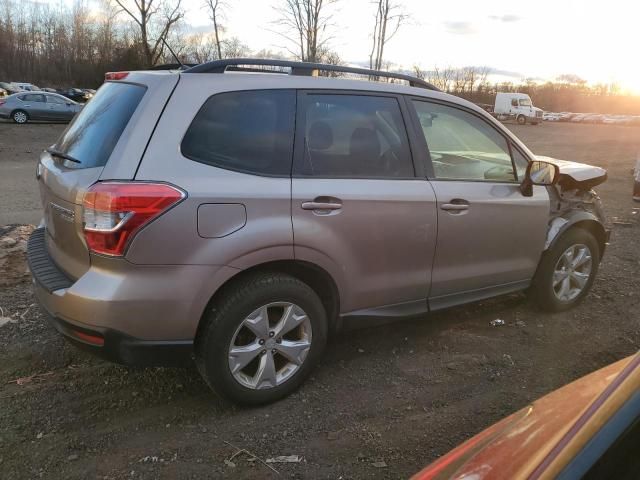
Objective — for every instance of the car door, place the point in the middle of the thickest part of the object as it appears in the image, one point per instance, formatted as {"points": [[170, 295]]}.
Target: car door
{"points": [[35, 106], [358, 208], [58, 108], [490, 236]]}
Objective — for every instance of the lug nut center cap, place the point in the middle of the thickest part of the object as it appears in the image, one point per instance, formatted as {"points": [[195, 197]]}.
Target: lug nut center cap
{"points": [[270, 343]]}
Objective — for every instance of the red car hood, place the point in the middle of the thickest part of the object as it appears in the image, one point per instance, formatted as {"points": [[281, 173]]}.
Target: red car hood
{"points": [[532, 442]]}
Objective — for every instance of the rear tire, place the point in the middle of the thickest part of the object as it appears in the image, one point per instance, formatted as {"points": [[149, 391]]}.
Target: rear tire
{"points": [[20, 116], [234, 331], [521, 119], [562, 281]]}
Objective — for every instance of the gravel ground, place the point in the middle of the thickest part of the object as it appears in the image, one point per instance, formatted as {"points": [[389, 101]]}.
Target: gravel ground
{"points": [[384, 402]]}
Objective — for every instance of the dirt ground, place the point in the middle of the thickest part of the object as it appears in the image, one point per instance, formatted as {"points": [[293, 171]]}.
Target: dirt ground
{"points": [[384, 402]]}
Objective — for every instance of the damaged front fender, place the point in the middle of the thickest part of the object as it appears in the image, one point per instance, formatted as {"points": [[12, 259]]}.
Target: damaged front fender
{"points": [[581, 219]]}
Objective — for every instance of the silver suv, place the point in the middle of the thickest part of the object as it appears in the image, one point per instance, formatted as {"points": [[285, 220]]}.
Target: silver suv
{"points": [[238, 211]]}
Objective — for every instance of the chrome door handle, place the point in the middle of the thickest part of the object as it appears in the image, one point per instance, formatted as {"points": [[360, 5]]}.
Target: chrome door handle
{"points": [[321, 206], [454, 207]]}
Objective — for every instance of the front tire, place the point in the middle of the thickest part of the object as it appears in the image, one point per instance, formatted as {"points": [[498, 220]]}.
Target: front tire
{"points": [[262, 339], [566, 271], [20, 117], [521, 119]]}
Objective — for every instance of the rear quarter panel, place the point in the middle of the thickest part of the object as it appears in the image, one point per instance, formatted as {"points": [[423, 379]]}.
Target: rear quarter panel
{"points": [[174, 237], [126, 156]]}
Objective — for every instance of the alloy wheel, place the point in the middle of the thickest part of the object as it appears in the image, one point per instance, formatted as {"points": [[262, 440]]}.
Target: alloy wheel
{"points": [[270, 345], [20, 117], [572, 272]]}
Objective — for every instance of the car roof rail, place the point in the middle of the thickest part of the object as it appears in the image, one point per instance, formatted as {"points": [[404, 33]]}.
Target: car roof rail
{"points": [[299, 68], [172, 66]]}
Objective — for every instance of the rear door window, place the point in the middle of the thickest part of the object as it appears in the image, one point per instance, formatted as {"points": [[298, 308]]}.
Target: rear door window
{"points": [[354, 136], [95, 131], [32, 97], [246, 131], [57, 100]]}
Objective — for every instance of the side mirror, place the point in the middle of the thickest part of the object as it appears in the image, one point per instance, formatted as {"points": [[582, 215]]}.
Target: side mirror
{"points": [[539, 173]]}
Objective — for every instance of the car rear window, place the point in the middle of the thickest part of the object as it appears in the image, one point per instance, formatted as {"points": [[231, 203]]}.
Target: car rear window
{"points": [[94, 132], [247, 131]]}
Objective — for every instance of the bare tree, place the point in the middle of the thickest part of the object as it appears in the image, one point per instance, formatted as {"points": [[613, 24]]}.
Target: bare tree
{"points": [[235, 48], [154, 18], [215, 13], [305, 24], [389, 19]]}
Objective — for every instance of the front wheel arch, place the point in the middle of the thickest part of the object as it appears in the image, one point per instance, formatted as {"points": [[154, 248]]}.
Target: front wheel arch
{"points": [[591, 225], [541, 289]]}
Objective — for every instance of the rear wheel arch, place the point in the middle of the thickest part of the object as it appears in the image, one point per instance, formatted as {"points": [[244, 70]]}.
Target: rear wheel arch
{"points": [[320, 281]]}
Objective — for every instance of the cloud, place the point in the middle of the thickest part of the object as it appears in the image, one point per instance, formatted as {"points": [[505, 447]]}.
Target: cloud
{"points": [[460, 28], [506, 18]]}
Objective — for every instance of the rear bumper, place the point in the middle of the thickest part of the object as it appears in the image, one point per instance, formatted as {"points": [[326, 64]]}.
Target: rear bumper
{"points": [[129, 314], [120, 348]]}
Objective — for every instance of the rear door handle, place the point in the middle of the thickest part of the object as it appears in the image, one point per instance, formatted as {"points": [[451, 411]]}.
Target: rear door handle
{"points": [[321, 206], [457, 205], [454, 207]]}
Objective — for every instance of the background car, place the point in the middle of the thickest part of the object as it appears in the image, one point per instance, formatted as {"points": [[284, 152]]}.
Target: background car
{"points": [[89, 91], [589, 429], [28, 87], [11, 88], [75, 94], [22, 107]]}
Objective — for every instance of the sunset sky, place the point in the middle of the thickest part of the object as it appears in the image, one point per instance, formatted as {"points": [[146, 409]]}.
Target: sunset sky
{"points": [[543, 39]]}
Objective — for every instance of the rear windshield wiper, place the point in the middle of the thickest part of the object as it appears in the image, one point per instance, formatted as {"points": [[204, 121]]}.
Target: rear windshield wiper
{"points": [[56, 153]]}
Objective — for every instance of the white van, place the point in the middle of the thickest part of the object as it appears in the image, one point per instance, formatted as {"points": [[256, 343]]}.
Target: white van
{"points": [[517, 106]]}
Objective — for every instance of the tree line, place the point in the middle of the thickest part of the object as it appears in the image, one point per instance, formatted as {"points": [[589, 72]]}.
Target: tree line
{"points": [[60, 46]]}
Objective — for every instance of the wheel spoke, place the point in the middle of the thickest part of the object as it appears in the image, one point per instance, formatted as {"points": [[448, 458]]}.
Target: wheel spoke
{"points": [[580, 279], [258, 322], [291, 318], [241, 356], [558, 276], [568, 257], [294, 351], [266, 374], [565, 288], [581, 258]]}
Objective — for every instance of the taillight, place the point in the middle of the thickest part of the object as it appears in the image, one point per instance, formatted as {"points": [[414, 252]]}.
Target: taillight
{"points": [[114, 212], [2, 102], [115, 75]]}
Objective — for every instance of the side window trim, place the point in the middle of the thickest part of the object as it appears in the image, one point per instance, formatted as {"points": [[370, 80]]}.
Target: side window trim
{"points": [[300, 128], [429, 167]]}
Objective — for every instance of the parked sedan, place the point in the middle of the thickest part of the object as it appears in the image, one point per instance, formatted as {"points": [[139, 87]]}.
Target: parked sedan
{"points": [[589, 429], [22, 107], [75, 94]]}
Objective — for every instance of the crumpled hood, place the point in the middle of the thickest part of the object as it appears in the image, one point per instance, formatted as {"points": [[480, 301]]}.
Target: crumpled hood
{"points": [[579, 172]]}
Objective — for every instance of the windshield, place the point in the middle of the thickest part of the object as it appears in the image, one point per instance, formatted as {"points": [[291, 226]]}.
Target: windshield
{"points": [[525, 102], [94, 132]]}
